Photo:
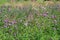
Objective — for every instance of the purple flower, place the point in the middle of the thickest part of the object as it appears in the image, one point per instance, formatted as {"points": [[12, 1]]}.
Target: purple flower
{"points": [[44, 14], [53, 16], [6, 20], [14, 22]]}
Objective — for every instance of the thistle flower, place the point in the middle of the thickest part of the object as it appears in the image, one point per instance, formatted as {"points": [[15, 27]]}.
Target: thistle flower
{"points": [[53, 16], [6, 20], [45, 14], [13, 22]]}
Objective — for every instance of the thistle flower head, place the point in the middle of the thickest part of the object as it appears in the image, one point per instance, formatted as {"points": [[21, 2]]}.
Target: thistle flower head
{"points": [[45, 14], [53, 16], [13, 22], [6, 20]]}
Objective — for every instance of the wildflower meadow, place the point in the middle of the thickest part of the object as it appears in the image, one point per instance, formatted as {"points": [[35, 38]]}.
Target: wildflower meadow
{"points": [[29, 20]]}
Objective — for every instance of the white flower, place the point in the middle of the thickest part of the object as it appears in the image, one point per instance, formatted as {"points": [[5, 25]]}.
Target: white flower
{"points": [[21, 20], [26, 23], [43, 8]]}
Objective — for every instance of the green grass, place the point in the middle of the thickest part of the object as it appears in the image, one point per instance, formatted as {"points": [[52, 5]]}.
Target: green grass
{"points": [[3, 1]]}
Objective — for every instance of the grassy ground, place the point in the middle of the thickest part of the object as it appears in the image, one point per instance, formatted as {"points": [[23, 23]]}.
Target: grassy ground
{"points": [[30, 21]]}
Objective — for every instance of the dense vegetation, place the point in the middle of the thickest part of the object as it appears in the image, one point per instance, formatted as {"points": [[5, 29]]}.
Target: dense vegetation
{"points": [[29, 20]]}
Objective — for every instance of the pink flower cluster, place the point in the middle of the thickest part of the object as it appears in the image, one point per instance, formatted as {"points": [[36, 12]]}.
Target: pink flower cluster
{"points": [[10, 22], [45, 14]]}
